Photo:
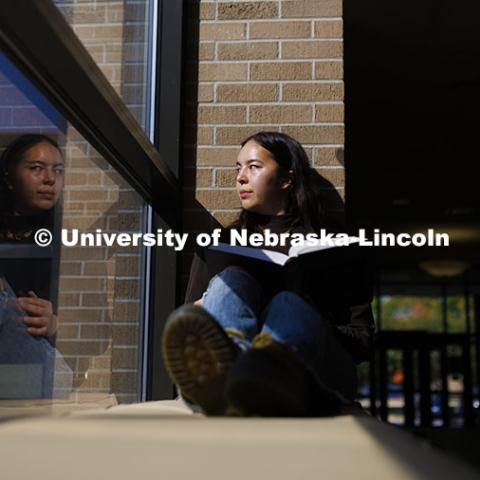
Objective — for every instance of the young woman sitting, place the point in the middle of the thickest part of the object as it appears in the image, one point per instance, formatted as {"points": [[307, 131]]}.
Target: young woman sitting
{"points": [[243, 345]]}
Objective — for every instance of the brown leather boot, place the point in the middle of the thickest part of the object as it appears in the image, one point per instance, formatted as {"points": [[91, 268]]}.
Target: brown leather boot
{"points": [[198, 355]]}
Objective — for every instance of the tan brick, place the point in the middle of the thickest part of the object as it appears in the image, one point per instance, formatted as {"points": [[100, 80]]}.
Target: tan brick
{"points": [[217, 156], [83, 315], [205, 92], [207, 10], [328, 29], [206, 51], [98, 54], [113, 179], [87, 195], [125, 334], [102, 179], [89, 331], [222, 31], [79, 162], [235, 135], [84, 222], [88, 14], [328, 156], [81, 347], [312, 91], [311, 8], [280, 30], [221, 114], [225, 177], [67, 331], [94, 300], [247, 93], [247, 10], [83, 253], [248, 51], [222, 71], [116, 13], [323, 134], [128, 266], [126, 311], [309, 152], [336, 176], [312, 49], [128, 52], [329, 113], [281, 71], [101, 268], [70, 268], [81, 284], [212, 199], [203, 177], [281, 114], [68, 300], [124, 382], [102, 362], [110, 33], [328, 71], [125, 358]]}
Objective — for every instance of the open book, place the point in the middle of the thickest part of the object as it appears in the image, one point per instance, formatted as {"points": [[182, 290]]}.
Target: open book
{"points": [[328, 271], [277, 257]]}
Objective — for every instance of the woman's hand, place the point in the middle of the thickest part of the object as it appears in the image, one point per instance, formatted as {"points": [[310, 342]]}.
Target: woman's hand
{"points": [[40, 319]]}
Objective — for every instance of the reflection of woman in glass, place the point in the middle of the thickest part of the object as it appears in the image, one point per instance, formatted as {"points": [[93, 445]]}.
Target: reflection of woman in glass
{"points": [[31, 184], [32, 181]]}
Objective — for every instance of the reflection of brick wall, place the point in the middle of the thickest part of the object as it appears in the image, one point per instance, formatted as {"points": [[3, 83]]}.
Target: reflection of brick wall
{"points": [[18, 115], [100, 287], [257, 65], [98, 304]]}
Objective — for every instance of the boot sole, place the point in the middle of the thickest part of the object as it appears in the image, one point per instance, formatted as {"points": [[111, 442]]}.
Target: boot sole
{"points": [[198, 355]]}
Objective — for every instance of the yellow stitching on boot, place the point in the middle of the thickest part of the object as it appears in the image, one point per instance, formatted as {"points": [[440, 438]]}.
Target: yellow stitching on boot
{"points": [[232, 331], [263, 339]]}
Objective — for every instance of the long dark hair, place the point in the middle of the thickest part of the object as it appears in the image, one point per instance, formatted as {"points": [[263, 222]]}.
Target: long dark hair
{"points": [[9, 160], [305, 205]]}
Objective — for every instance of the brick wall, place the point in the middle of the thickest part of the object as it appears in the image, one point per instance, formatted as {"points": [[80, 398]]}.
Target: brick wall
{"points": [[258, 65]]}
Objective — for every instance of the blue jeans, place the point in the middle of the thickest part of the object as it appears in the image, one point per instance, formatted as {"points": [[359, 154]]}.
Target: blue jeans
{"points": [[238, 303], [30, 367]]}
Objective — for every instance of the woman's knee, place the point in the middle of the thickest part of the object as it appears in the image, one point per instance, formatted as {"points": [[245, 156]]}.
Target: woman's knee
{"points": [[235, 276], [287, 298], [238, 282]]}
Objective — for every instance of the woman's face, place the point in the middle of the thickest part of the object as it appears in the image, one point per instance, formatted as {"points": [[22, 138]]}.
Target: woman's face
{"points": [[37, 180], [259, 184]]}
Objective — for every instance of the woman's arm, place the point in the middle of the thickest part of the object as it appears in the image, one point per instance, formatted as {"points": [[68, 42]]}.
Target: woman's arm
{"points": [[355, 327]]}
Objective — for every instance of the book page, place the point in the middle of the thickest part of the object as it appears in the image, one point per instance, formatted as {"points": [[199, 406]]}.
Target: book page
{"points": [[295, 251], [259, 254]]}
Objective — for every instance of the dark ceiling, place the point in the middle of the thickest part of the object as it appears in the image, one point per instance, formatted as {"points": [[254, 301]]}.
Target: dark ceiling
{"points": [[412, 150]]}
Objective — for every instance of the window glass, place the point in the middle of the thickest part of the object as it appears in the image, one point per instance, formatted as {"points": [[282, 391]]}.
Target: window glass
{"points": [[117, 35], [411, 313], [89, 297], [403, 312]]}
